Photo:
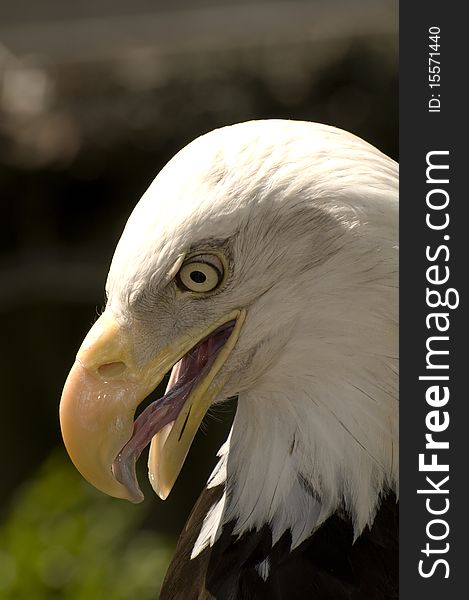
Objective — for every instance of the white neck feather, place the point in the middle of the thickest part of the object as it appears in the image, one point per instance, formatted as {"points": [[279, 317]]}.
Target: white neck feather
{"points": [[327, 441]]}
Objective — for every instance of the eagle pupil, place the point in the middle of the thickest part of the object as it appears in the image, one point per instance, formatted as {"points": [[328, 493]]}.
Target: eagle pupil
{"points": [[198, 277]]}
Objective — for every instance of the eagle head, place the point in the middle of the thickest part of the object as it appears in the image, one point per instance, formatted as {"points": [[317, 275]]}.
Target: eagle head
{"points": [[260, 263]]}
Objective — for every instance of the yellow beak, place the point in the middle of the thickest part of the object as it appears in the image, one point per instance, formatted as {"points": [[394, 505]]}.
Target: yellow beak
{"points": [[105, 387]]}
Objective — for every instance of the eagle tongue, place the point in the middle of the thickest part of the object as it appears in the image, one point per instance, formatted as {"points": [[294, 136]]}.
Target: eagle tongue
{"points": [[184, 377], [156, 416]]}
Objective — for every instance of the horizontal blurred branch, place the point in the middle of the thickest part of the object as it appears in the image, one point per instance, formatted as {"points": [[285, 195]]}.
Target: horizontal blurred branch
{"points": [[189, 29], [58, 281]]}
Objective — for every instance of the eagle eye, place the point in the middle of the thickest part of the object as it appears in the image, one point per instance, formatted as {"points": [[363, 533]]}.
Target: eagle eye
{"points": [[201, 273]]}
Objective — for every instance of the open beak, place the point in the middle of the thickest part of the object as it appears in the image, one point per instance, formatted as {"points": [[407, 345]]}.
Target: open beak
{"points": [[105, 387]]}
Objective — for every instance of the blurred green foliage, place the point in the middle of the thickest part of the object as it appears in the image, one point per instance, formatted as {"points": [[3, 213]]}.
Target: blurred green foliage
{"points": [[62, 539]]}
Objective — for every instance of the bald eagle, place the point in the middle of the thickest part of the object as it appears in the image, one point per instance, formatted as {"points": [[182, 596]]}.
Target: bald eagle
{"points": [[261, 263]]}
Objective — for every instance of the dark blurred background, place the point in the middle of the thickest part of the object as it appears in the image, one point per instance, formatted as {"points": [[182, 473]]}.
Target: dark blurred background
{"points": [[95, 97]]}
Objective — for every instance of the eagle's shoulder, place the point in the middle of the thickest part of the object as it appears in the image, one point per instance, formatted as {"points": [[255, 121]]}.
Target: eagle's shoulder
{"points": [[327, 566], [185, 578]]}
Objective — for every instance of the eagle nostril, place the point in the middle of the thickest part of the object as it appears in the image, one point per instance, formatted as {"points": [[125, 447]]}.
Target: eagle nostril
{"points": [[112, 370]]}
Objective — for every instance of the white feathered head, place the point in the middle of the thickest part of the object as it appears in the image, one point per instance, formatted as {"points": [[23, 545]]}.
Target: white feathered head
{"points": [[261, 262]]}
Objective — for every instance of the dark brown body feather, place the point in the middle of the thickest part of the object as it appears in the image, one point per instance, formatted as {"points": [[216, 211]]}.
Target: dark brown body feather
{"points": [[327, 566]]}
